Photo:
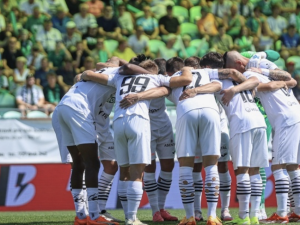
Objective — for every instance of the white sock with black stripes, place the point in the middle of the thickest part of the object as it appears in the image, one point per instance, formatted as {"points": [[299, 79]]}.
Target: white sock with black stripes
{"points": [[225, 189], [256, 192], [295, 179], [104, 187], [134, 196], [212, 185], [282, 190], [291, 201], [198, 183], [164, 183], [122, 192], [187, 190], [92, 197], [243, 192], [150, 187], [79, 203]]}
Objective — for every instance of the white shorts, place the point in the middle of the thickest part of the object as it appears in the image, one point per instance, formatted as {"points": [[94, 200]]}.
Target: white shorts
{"points": [[249, 149], [162, 143], [63, 150], [106, 149], [132, 137], [286, 145], [198, 133]]}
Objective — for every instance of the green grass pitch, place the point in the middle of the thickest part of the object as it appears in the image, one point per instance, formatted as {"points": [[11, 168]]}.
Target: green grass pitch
{"points": [[66, 217]]}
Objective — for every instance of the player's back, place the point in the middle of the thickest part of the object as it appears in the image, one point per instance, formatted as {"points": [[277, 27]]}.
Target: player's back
{"points": [[158, 113]]}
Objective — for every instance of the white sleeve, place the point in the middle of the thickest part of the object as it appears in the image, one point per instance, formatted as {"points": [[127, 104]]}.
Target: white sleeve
{"points": [[217, 81], [249, 74], [212, 73], [266, 64], [164, 80], [111, 80]]}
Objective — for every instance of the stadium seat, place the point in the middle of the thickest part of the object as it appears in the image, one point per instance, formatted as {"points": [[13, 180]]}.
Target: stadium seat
{"points": [[195, 14], [181, 13], [190, 29], [111, 45], [296, 60], [280, 63], [36, 114], [7, 100], [278, 45], [169, 103], [154, 45], [12, 115], [203, 45]]}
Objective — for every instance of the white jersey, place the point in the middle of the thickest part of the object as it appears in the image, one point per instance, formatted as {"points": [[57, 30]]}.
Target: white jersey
{"points": [[281, 106], [266, 64], [200, 77], [242, 112], [133, 84], [223, 119], [158, 113]]}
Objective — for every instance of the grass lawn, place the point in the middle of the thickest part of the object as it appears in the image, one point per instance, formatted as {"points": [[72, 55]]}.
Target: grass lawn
{"points": [[66, 217]]}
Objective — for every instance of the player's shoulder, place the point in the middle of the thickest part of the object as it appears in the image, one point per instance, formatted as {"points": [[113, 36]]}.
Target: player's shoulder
{"points": [[111, 70]]}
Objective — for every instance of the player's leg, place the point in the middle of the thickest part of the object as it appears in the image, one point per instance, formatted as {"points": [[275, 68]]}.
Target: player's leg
{"points": [[122, 188], [198, 183]]}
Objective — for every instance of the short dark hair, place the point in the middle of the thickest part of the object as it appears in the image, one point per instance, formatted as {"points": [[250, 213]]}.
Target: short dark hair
{"points": [[161, 63], [149, 65], [275, 6], [174, 64], [213, 60], [169, 7], [29, 76], [192, 61], [51, 74], [291, 26]]}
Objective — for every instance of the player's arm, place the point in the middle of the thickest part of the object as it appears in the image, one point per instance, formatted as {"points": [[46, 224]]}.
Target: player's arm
{"points": [[90, 75], [152, 93], [249, 84], [231, 74], [185, 79], [112, 62], [273, 74], [268, 54], [275, 85], [204, 89], [132, 69]]}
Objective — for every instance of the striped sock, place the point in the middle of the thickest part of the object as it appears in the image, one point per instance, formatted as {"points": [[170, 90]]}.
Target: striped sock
{"points": [[150, 187], [263, 176], [122, 192], [290, 196], [256, 191], [104, 187], [295, 178], [187, 190], [291, 202], [164, 183], [212, 185], [134, 196], [225, 189], [282, 190], [198, 183], [243, 192]]}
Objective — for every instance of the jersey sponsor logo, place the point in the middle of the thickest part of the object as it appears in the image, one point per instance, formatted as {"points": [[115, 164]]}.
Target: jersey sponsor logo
{"points": [[111, 147], [223, 155], [111, 99], [292, 103], [255, 57], [251, 109], [102, 113], [153, 110], [170, 144], [223, 147]]}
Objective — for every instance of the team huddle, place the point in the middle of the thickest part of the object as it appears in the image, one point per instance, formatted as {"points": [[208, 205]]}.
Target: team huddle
{"points": [[218, 120]]}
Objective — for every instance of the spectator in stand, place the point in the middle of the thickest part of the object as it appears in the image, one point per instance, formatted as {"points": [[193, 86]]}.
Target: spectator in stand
{"points": [[290, 67], [35, 21], [125, 21], [244, 42], [288, 7], [21, 71], [20, 16], [79, 54], [290, 41], [296, 89], [100, 54], [139, 4], [295, 18], [70, 38], [276, 22], [245, 8], [48, 36], [138, 42], [73, 6], [26, 43], [3, 79], [95, 7], [58, 55], [221, 9], [6, 34], [186, 4], [30, 96], [123, 51], [187, 50], [88, 64], [255, 22], [149, 24], [169, 24], [60, 20], [222, 42], [66, 74], [234, 22], [28, 5], [41, 74], [11, 53], [2, 22], [90, 38], [83, 18], [168, 51], [51, 6], [6, 5], [266, 6], [207, 25], [34, 60], [108, 24], [53, 92]]}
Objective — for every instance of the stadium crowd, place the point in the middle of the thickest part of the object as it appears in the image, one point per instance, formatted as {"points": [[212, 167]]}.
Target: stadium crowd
{"points": [[54, 40]]}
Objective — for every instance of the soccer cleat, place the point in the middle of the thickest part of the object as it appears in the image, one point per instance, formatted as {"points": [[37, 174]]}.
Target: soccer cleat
{"points": [[157, 217], [213, 221], [225, 215], [167, 216], [80, 221], [109, 216], [275, 218], [101, 220], [254, 220], [239, 221], [293, 217], [198, 216], [136, 222], [185, 221]]}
